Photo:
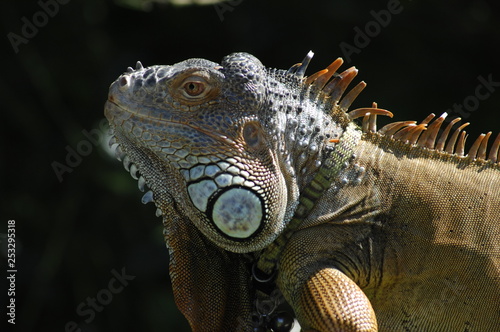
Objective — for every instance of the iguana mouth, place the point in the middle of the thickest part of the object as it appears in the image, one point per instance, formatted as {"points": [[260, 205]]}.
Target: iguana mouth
{"points": [[112, 105]]}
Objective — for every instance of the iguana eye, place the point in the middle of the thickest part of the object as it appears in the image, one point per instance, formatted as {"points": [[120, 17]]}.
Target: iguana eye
{"points": [[195, 88]]}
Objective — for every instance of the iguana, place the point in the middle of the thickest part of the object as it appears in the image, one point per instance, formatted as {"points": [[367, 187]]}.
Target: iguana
{"points": [[269, 189]]}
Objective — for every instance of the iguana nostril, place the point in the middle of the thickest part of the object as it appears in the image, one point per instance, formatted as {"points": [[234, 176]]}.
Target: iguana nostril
{"points": [[123, 81]]}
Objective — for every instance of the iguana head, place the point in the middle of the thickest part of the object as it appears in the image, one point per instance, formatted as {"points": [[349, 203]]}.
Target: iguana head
{"points": [[230, 144]]}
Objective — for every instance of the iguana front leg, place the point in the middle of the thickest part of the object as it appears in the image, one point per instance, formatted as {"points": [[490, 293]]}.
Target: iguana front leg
{"points": [[312, 280], [331, 301]]}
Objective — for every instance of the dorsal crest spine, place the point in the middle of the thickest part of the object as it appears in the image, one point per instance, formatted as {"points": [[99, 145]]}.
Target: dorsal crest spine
{"points": [[427, 134]]}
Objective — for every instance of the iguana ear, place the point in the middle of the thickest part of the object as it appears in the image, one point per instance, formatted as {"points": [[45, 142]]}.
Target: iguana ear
{"points": [[211, 285]]}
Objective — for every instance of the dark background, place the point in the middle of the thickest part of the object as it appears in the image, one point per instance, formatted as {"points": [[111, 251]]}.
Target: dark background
{"points": [[72, 233]]}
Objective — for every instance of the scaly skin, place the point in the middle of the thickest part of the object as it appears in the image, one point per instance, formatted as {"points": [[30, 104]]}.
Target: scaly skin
{"points": [[392, 233]]}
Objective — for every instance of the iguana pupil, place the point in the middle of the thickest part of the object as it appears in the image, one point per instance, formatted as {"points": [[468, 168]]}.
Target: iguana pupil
{"points": [[194, 89]]}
